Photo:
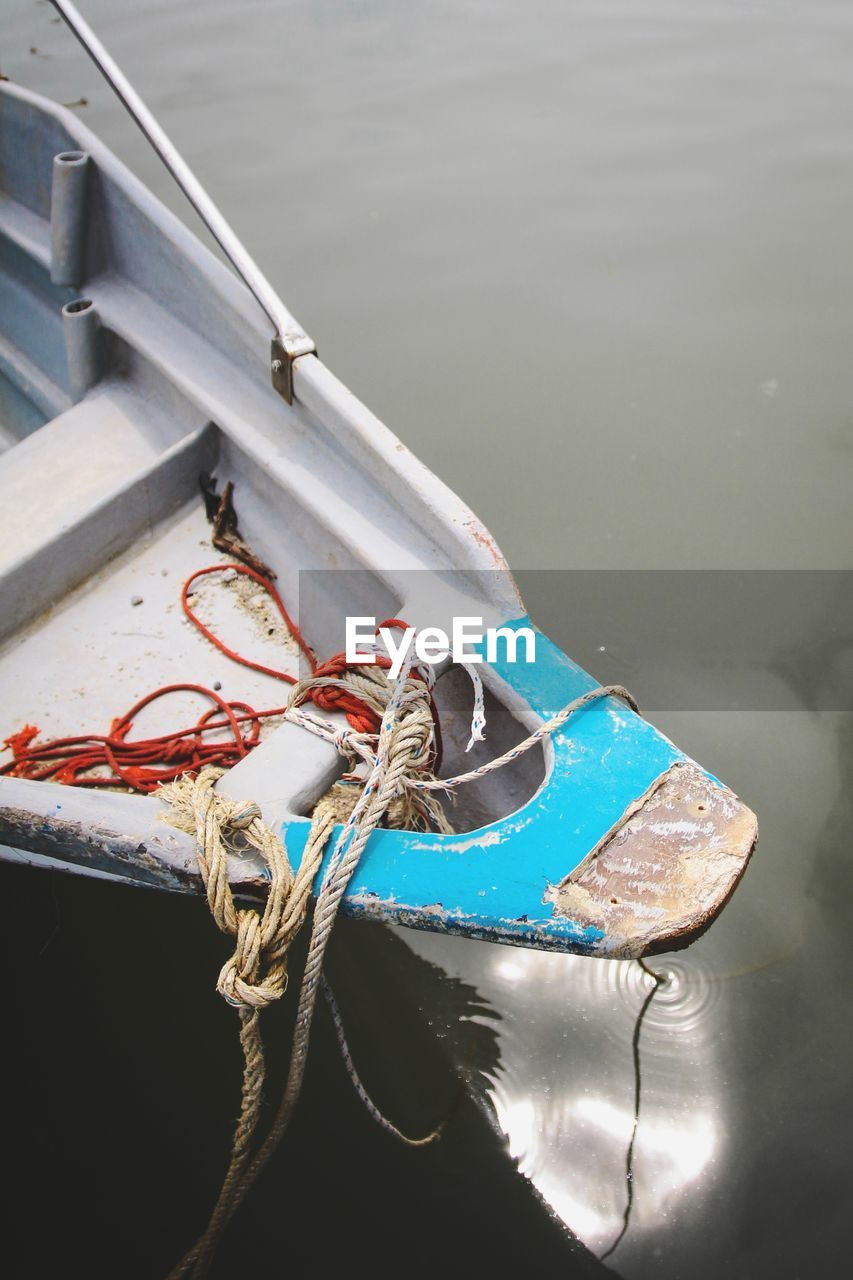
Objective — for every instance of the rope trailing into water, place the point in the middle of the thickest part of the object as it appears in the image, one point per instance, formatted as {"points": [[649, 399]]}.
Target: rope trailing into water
{"points": [[256, 974]]}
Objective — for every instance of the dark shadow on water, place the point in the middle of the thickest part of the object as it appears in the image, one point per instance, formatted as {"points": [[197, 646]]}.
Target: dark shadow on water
{"points": [[120, 1086]]}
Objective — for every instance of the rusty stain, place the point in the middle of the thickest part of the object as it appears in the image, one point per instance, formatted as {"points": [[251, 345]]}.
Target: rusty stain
{"points": [[226, 534]]}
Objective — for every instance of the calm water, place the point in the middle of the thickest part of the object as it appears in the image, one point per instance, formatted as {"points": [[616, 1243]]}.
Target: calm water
{"points": [[593, 262]]}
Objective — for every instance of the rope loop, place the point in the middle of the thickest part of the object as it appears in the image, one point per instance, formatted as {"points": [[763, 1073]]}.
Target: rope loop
{"points": [[256, 973]]}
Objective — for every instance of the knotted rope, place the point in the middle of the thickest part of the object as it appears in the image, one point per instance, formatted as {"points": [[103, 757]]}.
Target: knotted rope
{"points": [[256, 973]]}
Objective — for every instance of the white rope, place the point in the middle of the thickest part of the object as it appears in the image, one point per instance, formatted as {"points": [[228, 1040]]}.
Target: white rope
{"points": [[478, 716], [352, 743], [367, 1101]]}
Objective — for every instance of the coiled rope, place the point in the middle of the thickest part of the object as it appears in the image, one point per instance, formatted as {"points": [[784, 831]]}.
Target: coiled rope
{"points": [[144, 765]]}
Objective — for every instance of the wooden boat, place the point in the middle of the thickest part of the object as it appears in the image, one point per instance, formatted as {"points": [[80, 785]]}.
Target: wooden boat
{"points": [[133, 362]]}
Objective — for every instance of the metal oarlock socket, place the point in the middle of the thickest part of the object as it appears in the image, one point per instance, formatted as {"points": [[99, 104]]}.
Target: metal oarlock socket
{"points": [[290, 341]]}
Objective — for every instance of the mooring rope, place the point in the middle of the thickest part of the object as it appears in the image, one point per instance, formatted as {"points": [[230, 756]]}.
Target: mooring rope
{"points": [[397, 789], [256, 973], [369, 1105]]}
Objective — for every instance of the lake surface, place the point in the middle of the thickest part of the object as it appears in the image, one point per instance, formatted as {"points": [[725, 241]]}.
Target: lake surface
{"points": [[592, 262]]}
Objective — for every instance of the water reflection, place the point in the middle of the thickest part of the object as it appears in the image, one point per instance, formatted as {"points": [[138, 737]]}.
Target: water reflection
{"points": [[743, 1052], [614, 1107]]}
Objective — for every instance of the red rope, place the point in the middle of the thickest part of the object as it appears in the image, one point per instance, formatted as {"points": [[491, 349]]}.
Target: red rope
{"points": [[144, 764], [246, 572], [127, 763]]}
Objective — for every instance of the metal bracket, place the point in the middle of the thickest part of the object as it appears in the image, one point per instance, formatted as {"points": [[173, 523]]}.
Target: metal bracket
{"points": [[282, 355]]}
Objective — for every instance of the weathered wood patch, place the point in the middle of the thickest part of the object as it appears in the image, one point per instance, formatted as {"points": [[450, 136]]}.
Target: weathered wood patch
{"points": [[663, 876]]}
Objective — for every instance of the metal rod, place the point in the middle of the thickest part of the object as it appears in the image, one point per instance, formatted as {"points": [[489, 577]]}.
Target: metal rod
{"points": [[290, 339]]}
